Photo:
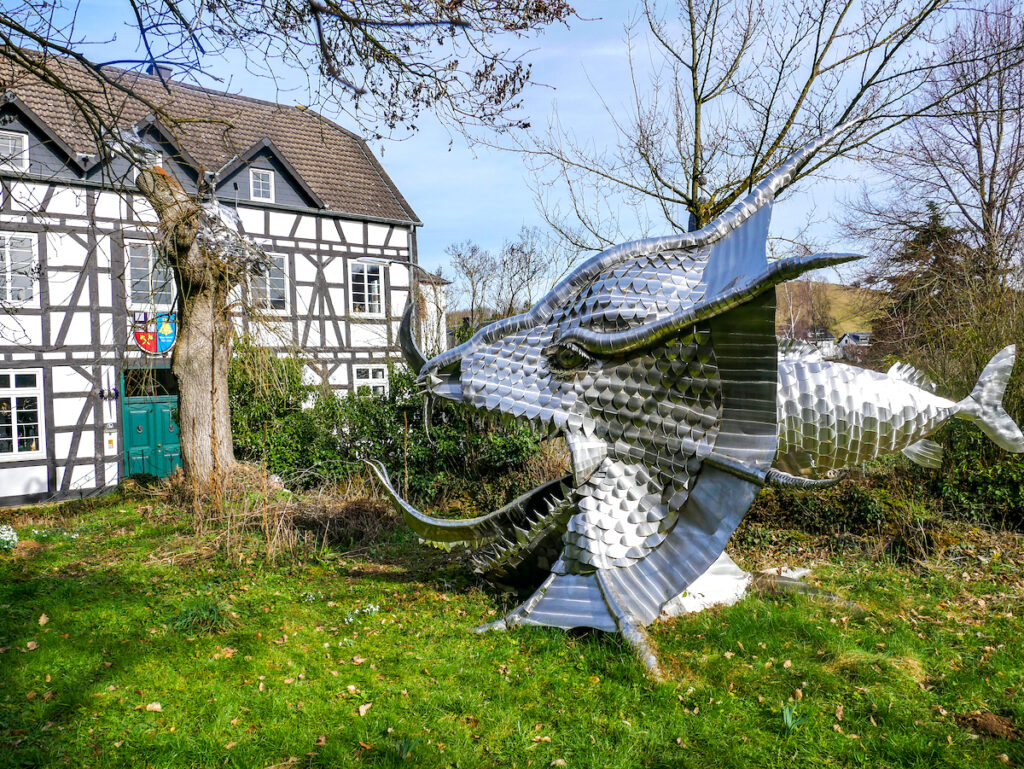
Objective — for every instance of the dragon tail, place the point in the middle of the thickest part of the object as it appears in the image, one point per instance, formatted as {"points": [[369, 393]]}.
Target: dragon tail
{"points": [[984, 405]]}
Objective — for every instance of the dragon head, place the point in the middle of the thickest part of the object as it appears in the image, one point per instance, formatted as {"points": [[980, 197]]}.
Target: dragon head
{"points": [[656, 361]]}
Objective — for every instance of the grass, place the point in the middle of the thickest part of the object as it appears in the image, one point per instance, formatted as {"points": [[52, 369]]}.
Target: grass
{"points": [[367, 659]]}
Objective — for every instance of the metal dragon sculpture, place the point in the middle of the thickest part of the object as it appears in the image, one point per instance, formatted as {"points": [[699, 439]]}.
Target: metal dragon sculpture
{"points": [[658, 363]]}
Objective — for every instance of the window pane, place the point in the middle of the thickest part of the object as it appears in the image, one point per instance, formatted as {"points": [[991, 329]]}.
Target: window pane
{"points": [[20, 380], [27, 416], [12, 150], [362, 373], [276, 284], [5, 381]]}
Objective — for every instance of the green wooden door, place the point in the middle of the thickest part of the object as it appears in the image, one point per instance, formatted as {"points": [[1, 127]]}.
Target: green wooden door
{"points": [[151, 441]]}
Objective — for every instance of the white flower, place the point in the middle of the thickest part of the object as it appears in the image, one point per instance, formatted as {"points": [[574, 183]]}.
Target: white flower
{"points": [[8, 539]]}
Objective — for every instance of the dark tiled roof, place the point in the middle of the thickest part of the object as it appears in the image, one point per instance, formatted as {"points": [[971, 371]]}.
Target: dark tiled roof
{"points": [[215, 127]]}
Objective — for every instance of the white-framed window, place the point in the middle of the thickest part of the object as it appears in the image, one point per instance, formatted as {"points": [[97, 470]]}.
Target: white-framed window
{"points": [[150, 280], [21, 414], [13, 151], [17, 267], [261, 185], [373, 377], [270, 289], [366, 287]]}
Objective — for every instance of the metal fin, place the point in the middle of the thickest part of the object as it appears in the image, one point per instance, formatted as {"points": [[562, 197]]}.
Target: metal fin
{"points": [[907, 373], [925, 453]]}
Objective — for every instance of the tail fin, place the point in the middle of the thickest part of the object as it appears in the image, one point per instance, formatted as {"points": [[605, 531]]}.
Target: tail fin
{"points": [[985, 404]]}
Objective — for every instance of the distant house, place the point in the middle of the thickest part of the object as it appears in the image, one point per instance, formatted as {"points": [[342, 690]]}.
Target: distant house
{"points": [[820, 335], [853, 344]]}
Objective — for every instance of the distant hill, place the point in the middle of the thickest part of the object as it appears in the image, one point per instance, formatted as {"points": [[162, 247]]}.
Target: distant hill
{"points": [[849, 307]]}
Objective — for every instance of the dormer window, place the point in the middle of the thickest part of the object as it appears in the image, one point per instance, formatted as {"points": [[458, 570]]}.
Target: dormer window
{"points": [[13, 151], [261, 185]]}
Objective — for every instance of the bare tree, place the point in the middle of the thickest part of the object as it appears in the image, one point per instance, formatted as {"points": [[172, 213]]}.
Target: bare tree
{"points": [[383, 61], [735, 86], [948, 220], [474, 269], [497, 285]]}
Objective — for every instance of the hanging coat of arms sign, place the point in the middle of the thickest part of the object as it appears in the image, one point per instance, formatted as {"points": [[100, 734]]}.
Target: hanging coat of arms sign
{"points": [[155, 334]]}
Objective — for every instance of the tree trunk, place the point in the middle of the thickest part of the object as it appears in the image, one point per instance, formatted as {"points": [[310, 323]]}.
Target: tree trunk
{"points": [[203, 274], [202, 355]]}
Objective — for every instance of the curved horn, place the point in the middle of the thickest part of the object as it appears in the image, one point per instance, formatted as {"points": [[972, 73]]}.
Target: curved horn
{"points": [[471, 532], [406, 340]]}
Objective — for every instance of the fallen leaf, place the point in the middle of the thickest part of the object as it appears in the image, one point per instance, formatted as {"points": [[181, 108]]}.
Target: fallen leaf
{"points": [[31, 646], [43, 619], [839, 712], [357, 660], [558, 762], [363, 709], [787, 664], [366, 745], [230, 745], [155, 707], [730, 655], [352, 689], [118, 744], [234, 722], [798, 695], [30, 696], [289, 680], [321, 740]]}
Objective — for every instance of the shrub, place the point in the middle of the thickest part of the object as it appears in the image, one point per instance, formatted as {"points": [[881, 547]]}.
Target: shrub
{"points": [[309, 435]]}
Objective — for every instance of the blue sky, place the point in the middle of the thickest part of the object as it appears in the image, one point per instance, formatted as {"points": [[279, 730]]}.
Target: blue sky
{"points": [[479, 193]]}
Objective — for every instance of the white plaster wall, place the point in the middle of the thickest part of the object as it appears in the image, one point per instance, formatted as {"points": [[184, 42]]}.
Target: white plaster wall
{"points": [[20, 330], [399, 238], [64, 251], [376, 234], [307, 228], [281, 224], [353, 232], [110, 205], [65, 379], [252, 220], [340, 377], [304, 268], [67, 201], [369, 335], [15, 481], [27, 196], [399, 274], [67, 410]]}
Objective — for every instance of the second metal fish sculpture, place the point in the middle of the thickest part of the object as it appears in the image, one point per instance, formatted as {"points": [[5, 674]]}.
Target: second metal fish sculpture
{"points": [[657, 361]]}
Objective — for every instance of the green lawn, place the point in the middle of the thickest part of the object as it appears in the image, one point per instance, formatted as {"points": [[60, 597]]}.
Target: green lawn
{"points": [[367, 659]]}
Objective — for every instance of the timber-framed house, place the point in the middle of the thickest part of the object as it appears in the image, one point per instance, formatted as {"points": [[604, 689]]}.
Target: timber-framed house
{"points": [[87, 322]]}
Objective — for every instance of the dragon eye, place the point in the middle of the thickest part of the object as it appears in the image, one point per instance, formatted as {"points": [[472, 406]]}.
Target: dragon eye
{"points": [[567, 357]]}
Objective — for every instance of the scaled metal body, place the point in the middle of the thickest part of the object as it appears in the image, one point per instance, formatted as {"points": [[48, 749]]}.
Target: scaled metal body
{"points": [[657, 361]]}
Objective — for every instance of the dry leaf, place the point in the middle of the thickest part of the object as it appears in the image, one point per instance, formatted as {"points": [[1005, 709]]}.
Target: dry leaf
{"points": [[230, 745], [798, 695], [558, 762], [357, 660], [787, 664], [31, 646], [30, 696], [289, 680], [234, 722], [321, 740], [43, 619], [352, 689], [839, 712], [363, 709], [155, 707]]}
